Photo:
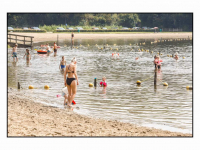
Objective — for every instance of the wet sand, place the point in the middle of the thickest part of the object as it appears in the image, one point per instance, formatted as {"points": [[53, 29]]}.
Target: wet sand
{"points": [[40, 37], [29, 118]]}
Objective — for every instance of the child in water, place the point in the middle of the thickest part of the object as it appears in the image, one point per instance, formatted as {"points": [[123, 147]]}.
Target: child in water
{"points": [[176, 56], [103, 82], [62, 63], [65, 93], [48, 48], [159, 62], [28, 55], [155, 61]]}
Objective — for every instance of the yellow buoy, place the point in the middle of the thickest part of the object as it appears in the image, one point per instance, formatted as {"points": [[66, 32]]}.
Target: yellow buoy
{"points": [[151, 51], [161, 54], [140, 43], [46, 87], [88, 45], [110, 48], [165, 84], [30, 87], [170, 55], [106, 44], [188, 87], [167, 55], [130, 44], [102, 48], [157, 52], [138, 82], [117, 49], [90, 85], [183, 57]]}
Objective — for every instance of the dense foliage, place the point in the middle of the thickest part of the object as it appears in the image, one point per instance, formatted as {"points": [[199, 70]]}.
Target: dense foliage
{"points": [[161, 20]]}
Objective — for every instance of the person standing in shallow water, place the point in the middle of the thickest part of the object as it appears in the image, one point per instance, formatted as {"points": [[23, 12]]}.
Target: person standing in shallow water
{"points": [[72, 81], [55, 48], [72, 35], [14, 53]]}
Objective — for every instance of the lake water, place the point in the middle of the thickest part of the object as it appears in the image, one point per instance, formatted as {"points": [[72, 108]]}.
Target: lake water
{"points": [[168, 108]]}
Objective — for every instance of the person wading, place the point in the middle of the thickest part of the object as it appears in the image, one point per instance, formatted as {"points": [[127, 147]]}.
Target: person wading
{"points": [[72, 81]]}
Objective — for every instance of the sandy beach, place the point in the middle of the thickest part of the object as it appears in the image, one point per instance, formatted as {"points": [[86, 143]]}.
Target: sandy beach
{"points": [[29, 118], [40, 37]]}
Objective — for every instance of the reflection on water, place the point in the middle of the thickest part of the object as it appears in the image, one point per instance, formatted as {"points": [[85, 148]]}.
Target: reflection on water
{"points": [[169, 108]]}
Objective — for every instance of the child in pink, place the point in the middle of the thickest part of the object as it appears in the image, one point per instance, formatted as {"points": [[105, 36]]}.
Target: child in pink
{"points": [[103, 82]]}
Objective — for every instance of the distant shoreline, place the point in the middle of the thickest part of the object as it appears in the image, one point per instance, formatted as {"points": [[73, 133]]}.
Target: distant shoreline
{"points": [[42, 37], [29, 118]]}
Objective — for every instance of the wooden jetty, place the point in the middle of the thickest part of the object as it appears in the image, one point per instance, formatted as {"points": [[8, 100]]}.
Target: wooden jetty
{"points": [[21, 40]]}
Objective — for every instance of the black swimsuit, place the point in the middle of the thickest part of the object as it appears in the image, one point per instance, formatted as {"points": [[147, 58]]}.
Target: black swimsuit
{"points": [[69, 80]]}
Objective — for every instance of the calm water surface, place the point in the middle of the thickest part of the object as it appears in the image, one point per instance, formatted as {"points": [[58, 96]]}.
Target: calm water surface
{"points": [[168, 108]]}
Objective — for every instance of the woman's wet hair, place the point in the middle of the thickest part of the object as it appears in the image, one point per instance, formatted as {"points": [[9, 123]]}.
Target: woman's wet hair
{"points": [[73, 59]]}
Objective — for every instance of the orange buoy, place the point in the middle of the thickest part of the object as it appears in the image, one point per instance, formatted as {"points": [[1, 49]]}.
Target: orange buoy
{"points": [[118, 54], [41, 51]]}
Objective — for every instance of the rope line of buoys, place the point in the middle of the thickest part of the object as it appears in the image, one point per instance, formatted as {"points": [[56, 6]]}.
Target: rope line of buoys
{"points": [[139, 82], [164, 83]]}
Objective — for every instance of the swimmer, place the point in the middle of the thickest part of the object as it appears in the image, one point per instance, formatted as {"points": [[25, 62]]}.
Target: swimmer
{"points": [[55, 48], [62, 64], [103, 82], [14, 53], [176, 56], [28, 55]]}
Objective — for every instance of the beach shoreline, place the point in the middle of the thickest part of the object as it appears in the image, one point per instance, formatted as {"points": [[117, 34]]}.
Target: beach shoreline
{"points": [[42, 37], [29, 118]]}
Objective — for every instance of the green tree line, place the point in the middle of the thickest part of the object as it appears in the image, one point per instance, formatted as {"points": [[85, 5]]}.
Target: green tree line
{"points": [[161, 20]]}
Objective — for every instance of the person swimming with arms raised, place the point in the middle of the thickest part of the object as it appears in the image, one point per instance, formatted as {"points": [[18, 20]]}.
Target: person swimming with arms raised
{"points": [[72, 80]]}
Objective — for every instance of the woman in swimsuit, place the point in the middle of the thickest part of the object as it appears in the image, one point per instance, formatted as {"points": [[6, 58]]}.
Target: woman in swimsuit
{"points": [[28, 55], [72, 80]]}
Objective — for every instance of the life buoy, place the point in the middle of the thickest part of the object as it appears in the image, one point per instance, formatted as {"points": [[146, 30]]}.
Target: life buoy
{"points": [[42, 51]]}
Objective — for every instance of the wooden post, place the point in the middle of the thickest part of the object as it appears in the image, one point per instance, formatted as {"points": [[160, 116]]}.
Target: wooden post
{"points": [[95, 82], [155, 79], [31, 43], [71, 43], [24, 41], [57, 39], [10, 38], [18, 85], [16, 39]]}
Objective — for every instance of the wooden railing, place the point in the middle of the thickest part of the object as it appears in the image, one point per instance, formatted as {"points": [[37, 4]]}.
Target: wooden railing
{"points": [[21, 40]]}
